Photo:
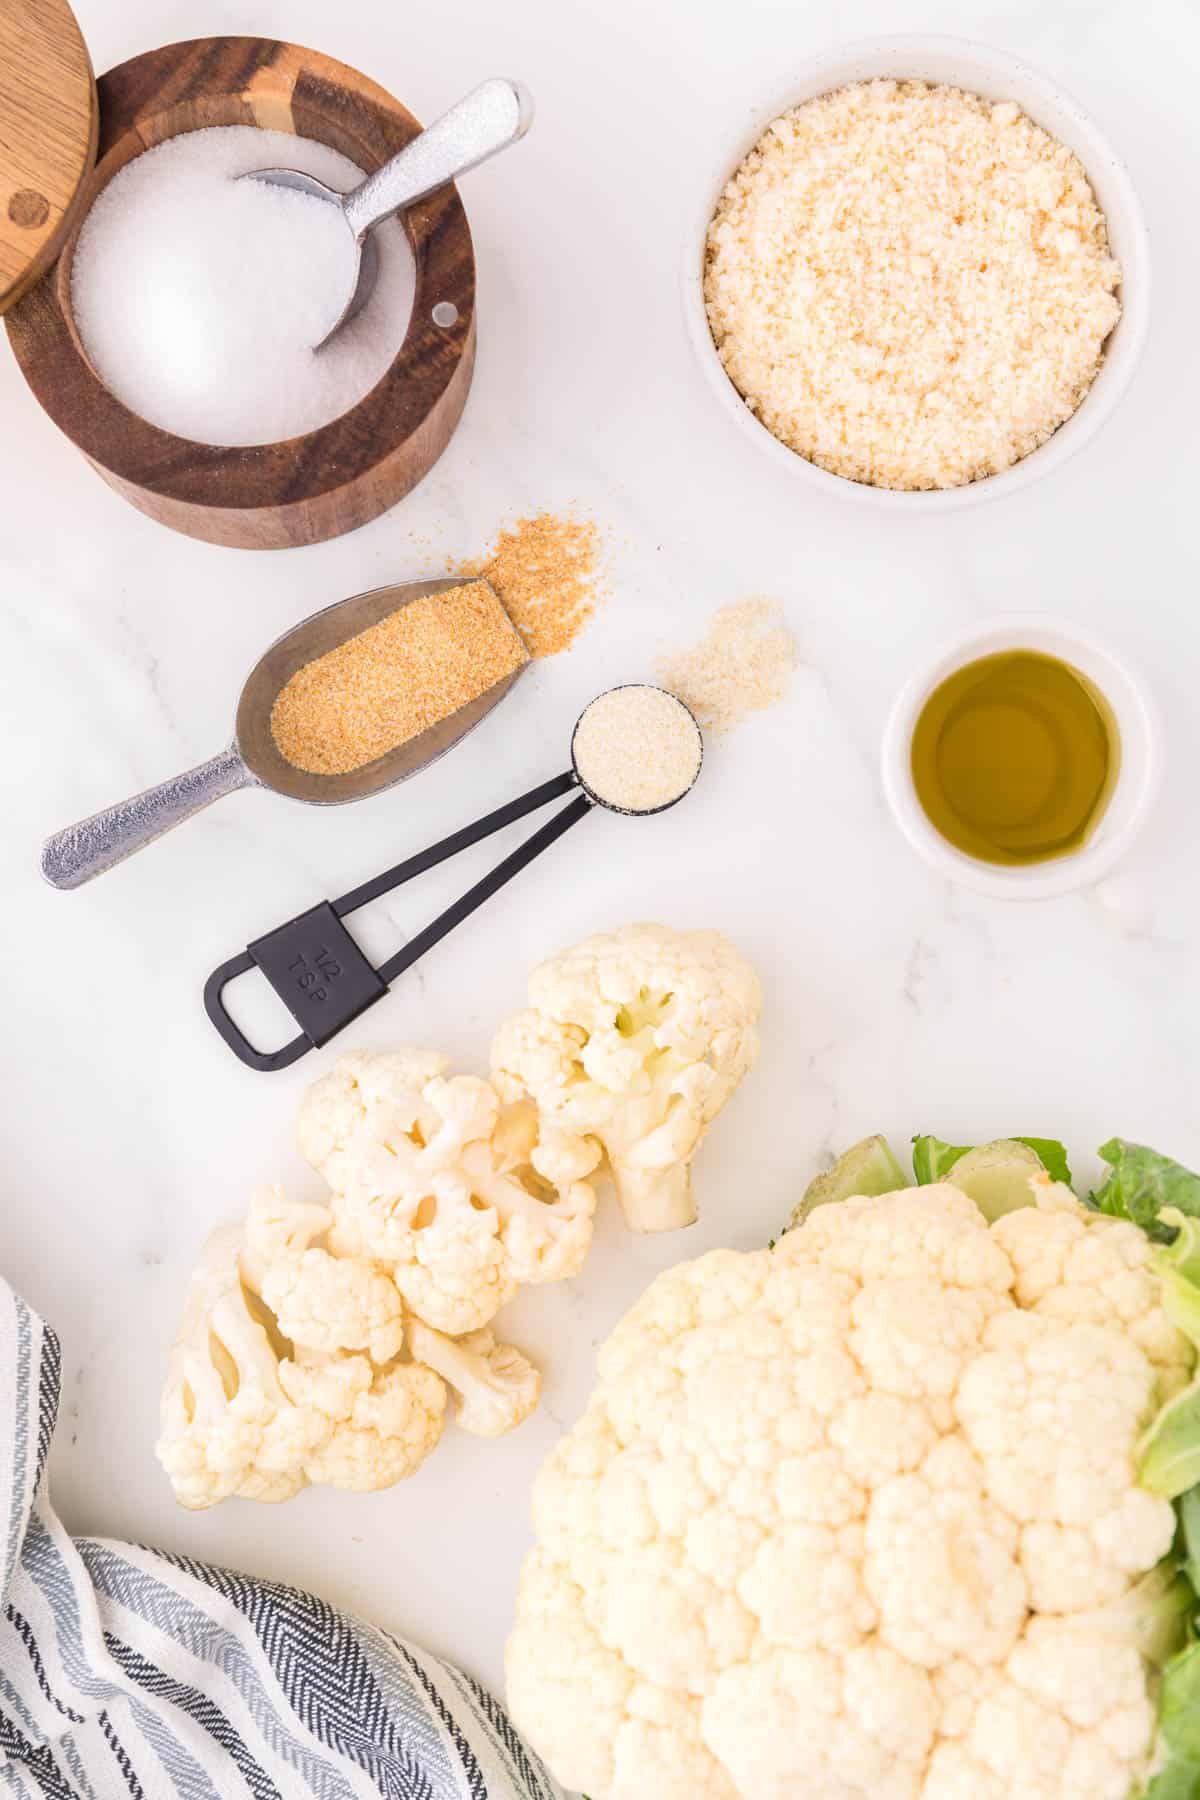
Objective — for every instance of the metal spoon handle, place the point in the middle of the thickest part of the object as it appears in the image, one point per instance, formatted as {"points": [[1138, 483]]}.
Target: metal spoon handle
{"points": [[489, 119], [87, 849]]}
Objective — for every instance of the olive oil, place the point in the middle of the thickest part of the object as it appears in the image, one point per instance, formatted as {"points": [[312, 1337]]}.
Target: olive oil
{"points": [[1014, 758]]}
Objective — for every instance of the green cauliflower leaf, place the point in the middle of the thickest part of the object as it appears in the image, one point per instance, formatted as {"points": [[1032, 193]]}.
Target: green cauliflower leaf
{"points": [[1143, 1184]]}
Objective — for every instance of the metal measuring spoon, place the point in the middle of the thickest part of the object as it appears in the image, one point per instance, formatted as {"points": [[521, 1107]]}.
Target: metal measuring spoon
{"points": [[320, 972], [490, 118], [87, 849]]}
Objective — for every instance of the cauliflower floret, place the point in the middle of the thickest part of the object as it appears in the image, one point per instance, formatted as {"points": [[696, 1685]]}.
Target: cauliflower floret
{"points": [[221, 1431], [335, 1303], [497, 1387], [856, 1516], [384, 1423], [289, 1365], [1054, 1413], [461, 1197], [636, 1038], [328, 1386], [930, 1233], [1067, 1718], [277, 1227], [241, 1418], [1085, 1268], [371, 1122], [806, 1725], [914, 1337], [881, 1435], [321, 1301], [660, 1752], [806, 1587], [534, 1181], [941, 1564], [554, 1656], [454, 1275]]}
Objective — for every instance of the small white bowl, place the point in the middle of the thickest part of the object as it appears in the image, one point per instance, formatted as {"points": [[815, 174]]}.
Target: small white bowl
{"points": [[1139, 778], [997, 76]]}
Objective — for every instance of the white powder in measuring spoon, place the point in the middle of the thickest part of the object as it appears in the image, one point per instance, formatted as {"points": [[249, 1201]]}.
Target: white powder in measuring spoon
{"points": [[637, 749], [199, 298]]}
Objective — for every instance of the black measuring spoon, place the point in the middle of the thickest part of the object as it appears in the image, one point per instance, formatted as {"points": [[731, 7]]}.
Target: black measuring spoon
{"points": [[319, 971]]}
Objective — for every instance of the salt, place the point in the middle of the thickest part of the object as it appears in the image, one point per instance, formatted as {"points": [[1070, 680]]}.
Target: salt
{"points": [[199, 298]]}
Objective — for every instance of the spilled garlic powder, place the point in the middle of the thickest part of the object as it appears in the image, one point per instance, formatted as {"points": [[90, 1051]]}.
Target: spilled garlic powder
{"points": [[909, 285], [637, 749], [742, 665], [544, 569]]}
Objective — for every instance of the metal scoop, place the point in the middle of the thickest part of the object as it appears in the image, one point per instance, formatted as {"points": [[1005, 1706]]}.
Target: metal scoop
{"points": [[489, 119], [322, 975], [82, 851]]}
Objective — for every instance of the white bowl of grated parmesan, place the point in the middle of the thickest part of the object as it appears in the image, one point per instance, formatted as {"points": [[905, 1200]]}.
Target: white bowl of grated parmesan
{"points": [[922, 277]]}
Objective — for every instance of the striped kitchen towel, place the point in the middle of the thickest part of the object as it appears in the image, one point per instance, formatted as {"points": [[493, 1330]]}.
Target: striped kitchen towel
{"points": [[127, 1674]]}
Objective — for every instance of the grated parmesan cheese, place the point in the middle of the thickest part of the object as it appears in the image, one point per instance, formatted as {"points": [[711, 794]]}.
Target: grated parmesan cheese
{"points": [[909, 285]]}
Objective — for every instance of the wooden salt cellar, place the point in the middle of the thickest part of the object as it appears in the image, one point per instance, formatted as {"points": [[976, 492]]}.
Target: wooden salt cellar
{"points": [[328, 481]]}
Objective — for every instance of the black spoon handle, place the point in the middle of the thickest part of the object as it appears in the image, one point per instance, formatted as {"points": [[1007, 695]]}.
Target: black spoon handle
{"points": [[321, 974], [483, 890], [458, 840]]}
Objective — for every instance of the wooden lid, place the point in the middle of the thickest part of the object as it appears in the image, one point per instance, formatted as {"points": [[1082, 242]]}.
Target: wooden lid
{"points": [[48, 125]]}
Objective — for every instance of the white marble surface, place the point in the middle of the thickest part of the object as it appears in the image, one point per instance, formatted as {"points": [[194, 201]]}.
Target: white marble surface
{"points": [[895, 1002]]}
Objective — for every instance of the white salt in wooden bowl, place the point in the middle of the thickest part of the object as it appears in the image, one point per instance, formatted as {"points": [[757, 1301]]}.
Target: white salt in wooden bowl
{"points": [[334, 478], [977, 69]]}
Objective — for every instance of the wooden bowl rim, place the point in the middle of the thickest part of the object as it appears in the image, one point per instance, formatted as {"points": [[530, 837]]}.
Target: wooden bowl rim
{"points": [[122, 442]]}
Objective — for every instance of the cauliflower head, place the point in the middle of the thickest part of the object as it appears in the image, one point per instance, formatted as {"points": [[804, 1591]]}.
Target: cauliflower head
{"points": [[839, 1516], [635, 1039], [459, 1196]]}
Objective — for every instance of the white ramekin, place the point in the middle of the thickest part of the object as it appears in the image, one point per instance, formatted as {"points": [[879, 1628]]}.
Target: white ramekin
{"points": [[997, 76], [1142, 754]]}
